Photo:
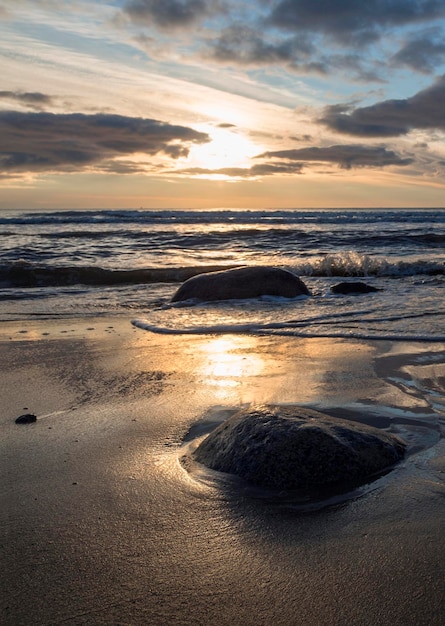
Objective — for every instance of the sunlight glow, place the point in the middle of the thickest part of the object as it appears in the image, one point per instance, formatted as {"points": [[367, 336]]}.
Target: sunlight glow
{"points": [[226, 149], [227, 361]]}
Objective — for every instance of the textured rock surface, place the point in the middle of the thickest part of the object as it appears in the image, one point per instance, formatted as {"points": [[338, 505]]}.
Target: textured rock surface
{"points": [[297, 448], [242, 282]]}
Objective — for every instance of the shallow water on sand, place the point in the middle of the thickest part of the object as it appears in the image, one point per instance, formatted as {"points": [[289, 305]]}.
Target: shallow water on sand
{"points": [[396, 387]]}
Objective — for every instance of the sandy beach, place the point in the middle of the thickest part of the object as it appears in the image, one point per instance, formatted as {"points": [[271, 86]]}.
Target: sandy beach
{"points": [[101, 524]]}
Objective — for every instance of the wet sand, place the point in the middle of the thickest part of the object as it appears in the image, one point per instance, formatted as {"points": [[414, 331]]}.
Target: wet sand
{"points": [[101, 524]]}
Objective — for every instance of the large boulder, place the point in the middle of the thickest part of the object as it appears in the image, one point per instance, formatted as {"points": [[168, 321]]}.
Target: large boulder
{"points": [[241, 283], [294, 448]]}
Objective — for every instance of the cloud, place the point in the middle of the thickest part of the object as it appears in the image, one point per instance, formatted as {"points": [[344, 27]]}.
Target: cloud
{"points": [[301, 138], [422, 53], [291, 162], [34, 99], [346, 19], [256, 171], [388, 118], [346, 156], [169, 14], [294, 35], [249, 47], [49, 142], [244, 45]]}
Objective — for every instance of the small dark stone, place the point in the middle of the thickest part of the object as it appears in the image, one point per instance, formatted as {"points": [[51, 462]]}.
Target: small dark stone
{"points": [[356, 287], [27, 418]]}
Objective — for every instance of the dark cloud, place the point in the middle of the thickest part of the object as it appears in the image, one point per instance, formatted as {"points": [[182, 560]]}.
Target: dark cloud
{"points": [[169, 13], [346, 19], [244, 45], [424, 110], [301, 138], [260, 169], [356, 66], [34, 100], [422, 53], [346, 156], [128, 167], [51, 142], [269, 169]]}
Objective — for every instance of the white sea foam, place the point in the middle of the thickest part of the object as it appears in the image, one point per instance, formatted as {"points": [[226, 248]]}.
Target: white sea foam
{"points": [[285, 329]]}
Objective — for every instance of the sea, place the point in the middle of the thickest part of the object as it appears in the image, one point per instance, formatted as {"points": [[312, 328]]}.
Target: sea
{"points": [[129, 263]]}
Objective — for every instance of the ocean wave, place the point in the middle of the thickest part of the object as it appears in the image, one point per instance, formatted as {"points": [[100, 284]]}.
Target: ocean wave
{"points": [[234, 239], [28, 274], [25, 274], [353, 264], [227, 216]]}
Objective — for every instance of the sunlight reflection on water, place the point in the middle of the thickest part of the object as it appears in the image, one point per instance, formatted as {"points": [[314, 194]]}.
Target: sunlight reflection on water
{"points": [[226, 359]]}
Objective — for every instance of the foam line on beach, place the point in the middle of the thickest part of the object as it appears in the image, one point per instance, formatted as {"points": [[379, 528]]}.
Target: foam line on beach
{"points": [[196, 330], [284, 329]]}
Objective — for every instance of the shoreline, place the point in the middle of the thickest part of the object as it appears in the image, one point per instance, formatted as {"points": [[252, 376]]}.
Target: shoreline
{"points": [[101, 523]]}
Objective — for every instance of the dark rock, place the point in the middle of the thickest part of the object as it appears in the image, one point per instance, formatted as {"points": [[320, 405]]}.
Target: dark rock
{"points": [[294, 448], [357, 287], [27, 418], [241, 283]]}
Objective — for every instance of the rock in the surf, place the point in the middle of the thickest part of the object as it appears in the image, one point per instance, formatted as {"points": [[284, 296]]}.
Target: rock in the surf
{"points": [[241, 283], [355, 287], [294, 448]]}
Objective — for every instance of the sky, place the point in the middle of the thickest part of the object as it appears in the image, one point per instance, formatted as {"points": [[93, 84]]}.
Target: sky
{"points": [[222, 103]]}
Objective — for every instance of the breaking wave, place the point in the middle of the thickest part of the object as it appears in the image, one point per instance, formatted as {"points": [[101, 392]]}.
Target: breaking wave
{"points": [[28, 274]]}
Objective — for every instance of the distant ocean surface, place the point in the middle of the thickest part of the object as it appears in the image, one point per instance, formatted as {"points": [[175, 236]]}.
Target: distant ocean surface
{"points": [[65, 264]]}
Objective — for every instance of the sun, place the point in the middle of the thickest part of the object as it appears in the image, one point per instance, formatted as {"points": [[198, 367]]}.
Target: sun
{"points": [[226, 149]]}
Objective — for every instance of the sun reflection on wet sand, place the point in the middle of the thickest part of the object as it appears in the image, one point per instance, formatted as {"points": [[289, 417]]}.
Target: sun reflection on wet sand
{"points": [[259, 369], [228, 360]]}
